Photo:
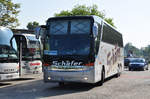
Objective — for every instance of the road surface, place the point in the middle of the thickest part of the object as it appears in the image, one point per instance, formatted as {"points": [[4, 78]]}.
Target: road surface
{"points": [[130, 85]]}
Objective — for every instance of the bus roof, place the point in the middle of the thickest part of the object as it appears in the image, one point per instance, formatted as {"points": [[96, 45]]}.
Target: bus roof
{"points": [[4, 29], [70, 17], [24, 34], [27, 36]]}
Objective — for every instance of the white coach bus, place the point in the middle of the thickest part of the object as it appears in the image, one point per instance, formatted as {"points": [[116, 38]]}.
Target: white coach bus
{"points": [[9, 62], [80, 49], [30, 53]]}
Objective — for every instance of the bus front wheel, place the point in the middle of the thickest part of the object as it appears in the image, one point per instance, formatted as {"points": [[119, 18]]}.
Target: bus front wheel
{"points": [[100, 83], [102, 77], [61, 84]]}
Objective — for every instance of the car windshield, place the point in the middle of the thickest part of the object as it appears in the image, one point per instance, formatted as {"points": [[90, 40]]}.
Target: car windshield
{"points": [[138, 60]]}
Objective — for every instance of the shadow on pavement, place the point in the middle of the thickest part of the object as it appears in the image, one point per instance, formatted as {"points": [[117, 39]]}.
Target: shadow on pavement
{"points": [[20, 79], [38, 89], [4, 84]]}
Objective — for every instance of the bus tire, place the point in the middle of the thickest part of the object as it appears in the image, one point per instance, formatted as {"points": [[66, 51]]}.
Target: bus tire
{"points": [[102, 77], [61, 84], [118, 72], [100, 83]]}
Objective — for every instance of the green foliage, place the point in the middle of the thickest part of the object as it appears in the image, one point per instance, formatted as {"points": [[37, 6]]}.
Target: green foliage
{"points": [[110, 21], [143, 52], [146, 52], [135, 51], [32, 25], [8, 13], [85, 10]]}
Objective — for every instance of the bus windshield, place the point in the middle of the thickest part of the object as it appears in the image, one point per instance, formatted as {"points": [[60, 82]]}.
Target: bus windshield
{"points": [[70, 45], [32, 48], [76, 26], [69, 37], [7, 53]]}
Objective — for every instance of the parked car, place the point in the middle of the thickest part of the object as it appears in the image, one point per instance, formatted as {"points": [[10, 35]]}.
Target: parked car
{"points": [[138, 64]]}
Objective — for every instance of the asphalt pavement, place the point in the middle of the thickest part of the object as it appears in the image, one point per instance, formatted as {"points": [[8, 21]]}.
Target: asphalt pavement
{"points": [[130, 85]]}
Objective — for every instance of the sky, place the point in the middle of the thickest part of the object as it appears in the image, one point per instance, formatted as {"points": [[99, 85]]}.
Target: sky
{"points": [[131, 17]]}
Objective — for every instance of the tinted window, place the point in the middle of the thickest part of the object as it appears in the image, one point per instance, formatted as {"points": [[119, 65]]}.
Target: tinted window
{"points": [[80, 26], [111, 36], [72, 26], [70, 45], [59, 27], [31, 38]]}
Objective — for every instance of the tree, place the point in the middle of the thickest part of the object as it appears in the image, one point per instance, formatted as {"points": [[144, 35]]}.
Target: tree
{"points": [[130, 49], [146, 52], [8, 13], [85, 10], [32, 25]]}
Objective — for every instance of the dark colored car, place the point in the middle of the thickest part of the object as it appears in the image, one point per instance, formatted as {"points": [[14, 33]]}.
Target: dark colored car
{"points": [[138, 64], [127, 62]]}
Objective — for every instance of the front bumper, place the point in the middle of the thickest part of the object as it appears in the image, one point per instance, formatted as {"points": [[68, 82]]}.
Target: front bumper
{"points": [[69, 76], [9, 76], [137, 67]]}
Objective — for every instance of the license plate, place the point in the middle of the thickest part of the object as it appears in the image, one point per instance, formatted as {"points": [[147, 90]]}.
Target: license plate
{"points": [[9, 76]]}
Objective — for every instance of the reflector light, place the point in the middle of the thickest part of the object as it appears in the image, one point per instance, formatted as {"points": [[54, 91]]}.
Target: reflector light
{"points": [[89, 64], [46, 64]]}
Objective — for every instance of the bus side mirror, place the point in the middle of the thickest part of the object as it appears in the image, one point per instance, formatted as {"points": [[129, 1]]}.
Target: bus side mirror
{"points": [[40, 31], [37, 32], [95, 30], [13, 43]]}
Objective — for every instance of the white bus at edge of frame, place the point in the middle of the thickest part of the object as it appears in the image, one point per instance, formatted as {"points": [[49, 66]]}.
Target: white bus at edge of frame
{"points": [[9, 62]]}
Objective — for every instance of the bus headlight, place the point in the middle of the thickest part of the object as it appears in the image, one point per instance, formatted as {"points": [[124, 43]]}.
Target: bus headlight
{"points": [[85, 78], [49, 78]]}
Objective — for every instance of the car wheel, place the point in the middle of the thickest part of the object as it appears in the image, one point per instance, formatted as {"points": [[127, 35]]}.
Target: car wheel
{"points": [[147, 68], [143, 69]]}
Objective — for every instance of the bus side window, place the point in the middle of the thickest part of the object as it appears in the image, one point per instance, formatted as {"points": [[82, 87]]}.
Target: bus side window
{"points": [[111, 36]]}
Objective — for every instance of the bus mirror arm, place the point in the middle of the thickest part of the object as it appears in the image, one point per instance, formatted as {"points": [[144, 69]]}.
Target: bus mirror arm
{"points": [[43, 26], [38, 30]]}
